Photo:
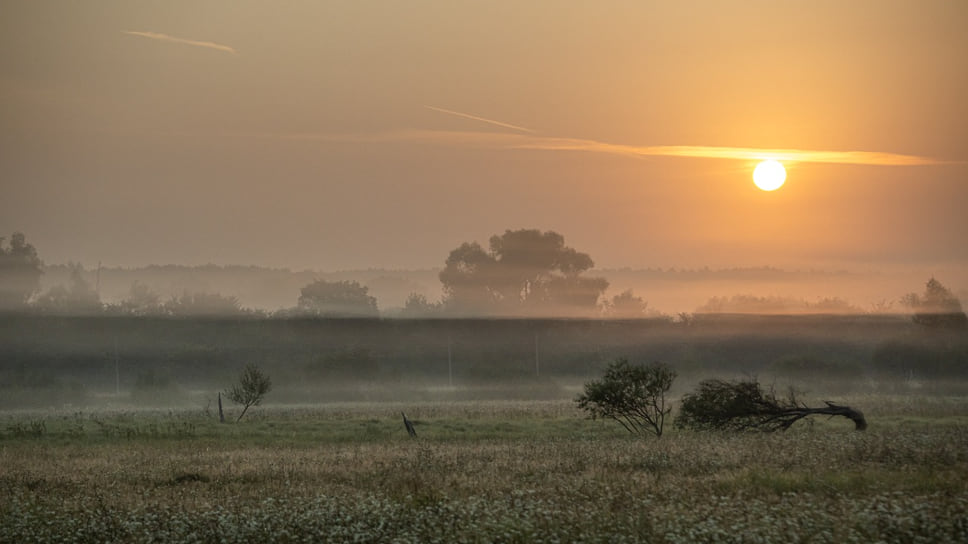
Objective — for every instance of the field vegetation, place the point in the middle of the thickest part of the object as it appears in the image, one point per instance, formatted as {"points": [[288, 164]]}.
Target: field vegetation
{"points": [[481, 471], [109, 432]]}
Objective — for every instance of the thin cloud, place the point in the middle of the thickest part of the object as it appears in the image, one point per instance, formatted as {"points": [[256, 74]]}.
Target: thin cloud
{"points": [[504, 140], [872, 158], [521, 141], [183, 41], [518, 141], [482, 119]]}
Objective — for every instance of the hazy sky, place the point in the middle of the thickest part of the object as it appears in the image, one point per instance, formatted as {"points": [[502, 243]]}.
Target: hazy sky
{"points": [[337, 135]]}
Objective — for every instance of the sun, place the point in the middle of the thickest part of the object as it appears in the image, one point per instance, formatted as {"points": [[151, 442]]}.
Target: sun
{"points": [[769, 175]]}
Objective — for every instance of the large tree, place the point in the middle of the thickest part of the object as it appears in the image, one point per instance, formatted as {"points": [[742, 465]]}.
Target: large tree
{"points": [[336, 299], [524, 272], [20, 271]]}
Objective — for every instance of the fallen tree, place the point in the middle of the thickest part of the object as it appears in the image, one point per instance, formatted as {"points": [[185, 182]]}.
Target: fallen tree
{"points": [[745, 406]]}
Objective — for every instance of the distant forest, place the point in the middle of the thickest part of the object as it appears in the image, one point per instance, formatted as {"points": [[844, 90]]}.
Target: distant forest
{"points": [[254, 286], [668, 290], [527, 310], [522, 273]]}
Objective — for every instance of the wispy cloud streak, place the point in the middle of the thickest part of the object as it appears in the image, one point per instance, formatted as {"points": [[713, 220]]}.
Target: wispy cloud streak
{"points": [[482, 119], [183, 41], [504, 140], [872, 158], [518, 141], [522, 141]]}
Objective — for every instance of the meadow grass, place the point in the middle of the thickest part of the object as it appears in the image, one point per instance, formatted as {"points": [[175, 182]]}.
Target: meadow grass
{"points": [[497, 471]]}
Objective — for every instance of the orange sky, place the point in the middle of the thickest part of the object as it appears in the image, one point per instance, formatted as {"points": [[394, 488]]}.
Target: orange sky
{"points": [[337, 135]]}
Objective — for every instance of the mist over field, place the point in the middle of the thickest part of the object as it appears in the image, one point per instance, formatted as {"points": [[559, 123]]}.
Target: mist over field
{"points": [[667, 291], [449, 390], [528, 317], [513, 272]]}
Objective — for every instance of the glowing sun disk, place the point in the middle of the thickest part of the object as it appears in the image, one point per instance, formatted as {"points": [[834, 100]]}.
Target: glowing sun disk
{"points": [[769, 175]]}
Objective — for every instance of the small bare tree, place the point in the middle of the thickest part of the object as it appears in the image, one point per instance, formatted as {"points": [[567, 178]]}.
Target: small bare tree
{"points": [[632, 395], [409, 425], [252, 387], [744, 405]]}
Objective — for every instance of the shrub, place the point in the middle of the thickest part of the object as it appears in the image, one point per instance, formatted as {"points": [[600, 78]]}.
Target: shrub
{"points": [[632, 395]]}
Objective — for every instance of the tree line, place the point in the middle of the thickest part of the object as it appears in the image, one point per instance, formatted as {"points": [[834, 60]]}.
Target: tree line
{"points": [[521, 273]]}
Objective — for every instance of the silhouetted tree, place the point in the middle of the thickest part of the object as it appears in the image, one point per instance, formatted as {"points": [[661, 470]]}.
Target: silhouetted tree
{"points": [[202, 305], [78, 298], [524, 272], [336, 299], [417, 305], [632, 395], [626, 305], [141, 301], [20, 271], [937, 308], [744, 405], [251, 389]]}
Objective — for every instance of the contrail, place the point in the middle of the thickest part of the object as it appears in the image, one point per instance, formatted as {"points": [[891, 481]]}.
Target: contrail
{"points": [[482, 119], [167, 38]]}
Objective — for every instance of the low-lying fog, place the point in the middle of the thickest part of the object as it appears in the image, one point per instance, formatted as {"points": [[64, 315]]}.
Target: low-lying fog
{"points": [[666, 291]]}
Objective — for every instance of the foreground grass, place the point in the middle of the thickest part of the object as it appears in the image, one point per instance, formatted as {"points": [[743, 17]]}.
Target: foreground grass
{"points": [[479, 472]]}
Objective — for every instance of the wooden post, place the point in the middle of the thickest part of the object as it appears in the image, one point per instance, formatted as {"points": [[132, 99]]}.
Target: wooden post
{"points": [[221, 414]]}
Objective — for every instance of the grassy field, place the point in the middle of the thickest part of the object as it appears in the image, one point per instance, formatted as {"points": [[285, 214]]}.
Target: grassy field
{"points": [[499, 471]]}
